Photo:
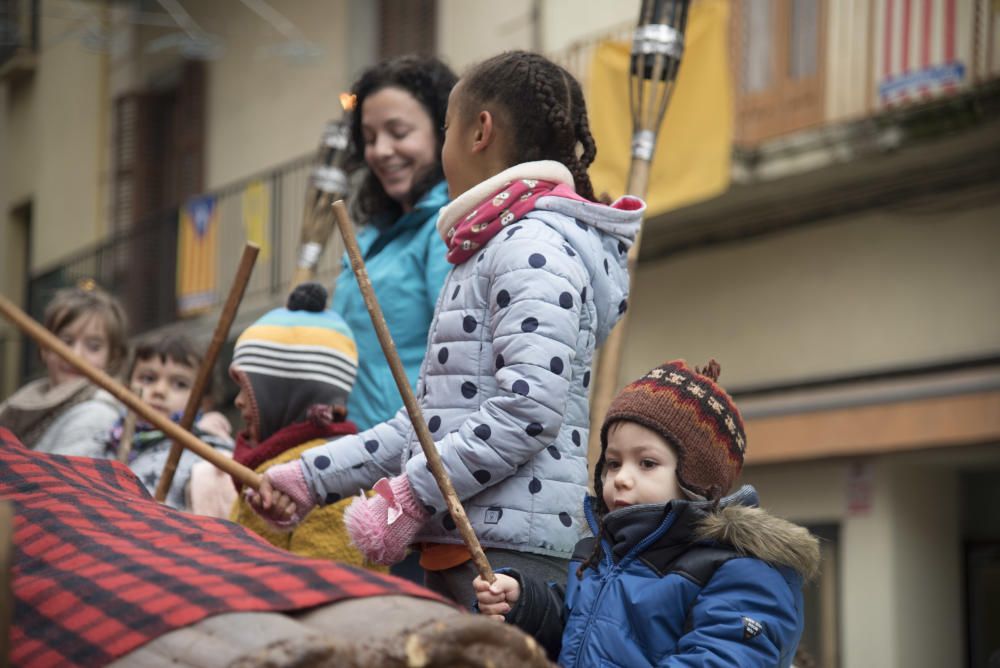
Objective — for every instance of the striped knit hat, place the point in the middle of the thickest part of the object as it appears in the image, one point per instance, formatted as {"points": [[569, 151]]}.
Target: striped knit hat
{"points": [[696, 416], [294, 358]]}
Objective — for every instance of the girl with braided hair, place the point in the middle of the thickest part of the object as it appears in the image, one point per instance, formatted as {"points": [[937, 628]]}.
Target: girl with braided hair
{"points": [[538, 279]]}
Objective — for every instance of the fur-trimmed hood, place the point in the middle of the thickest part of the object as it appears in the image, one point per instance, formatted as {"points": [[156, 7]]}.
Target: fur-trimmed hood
{"points": [[735, 521], [756, 533]]}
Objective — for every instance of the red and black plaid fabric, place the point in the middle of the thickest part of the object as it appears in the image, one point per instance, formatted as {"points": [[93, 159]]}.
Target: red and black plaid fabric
{"points": [[101, 568]]}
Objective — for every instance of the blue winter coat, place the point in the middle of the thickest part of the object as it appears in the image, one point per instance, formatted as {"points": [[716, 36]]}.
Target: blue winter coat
{"points": [[504, 385], [406, 264], [667, 592]]}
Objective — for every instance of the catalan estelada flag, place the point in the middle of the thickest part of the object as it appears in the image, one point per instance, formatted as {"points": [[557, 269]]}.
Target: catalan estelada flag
{"points": [[197, 252]]}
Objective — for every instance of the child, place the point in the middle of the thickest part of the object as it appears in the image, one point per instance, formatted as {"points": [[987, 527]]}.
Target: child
{"points": [[679, 574], [539, 279], [63, 413], [164, 370], [295, 368]]}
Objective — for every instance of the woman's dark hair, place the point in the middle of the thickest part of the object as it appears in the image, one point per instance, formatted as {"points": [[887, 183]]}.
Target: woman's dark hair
{"points": [[430, 82], [543, 106]]}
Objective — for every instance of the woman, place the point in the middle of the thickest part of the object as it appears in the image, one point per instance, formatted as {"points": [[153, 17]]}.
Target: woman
{"points": [[397, 132]]}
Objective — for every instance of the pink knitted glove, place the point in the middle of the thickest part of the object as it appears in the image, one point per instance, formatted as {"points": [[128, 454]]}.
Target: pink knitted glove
{"points": [[289, 480], [382, 526]]}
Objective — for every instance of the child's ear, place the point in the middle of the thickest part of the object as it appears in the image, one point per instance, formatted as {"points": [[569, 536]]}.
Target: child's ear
{"points": [[485, 132]]}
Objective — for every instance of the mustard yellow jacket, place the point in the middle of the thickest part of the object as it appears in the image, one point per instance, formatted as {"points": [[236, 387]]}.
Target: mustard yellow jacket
{"points": [[321, 534]]}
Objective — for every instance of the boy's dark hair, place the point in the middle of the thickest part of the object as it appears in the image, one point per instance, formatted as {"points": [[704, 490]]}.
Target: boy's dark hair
{"points": [[70, 304], [520, 82], [430, 82], [177, 348]]}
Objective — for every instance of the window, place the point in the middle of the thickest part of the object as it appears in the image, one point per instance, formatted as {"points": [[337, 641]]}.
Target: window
{"points": [[778, 49], [407, 26]]}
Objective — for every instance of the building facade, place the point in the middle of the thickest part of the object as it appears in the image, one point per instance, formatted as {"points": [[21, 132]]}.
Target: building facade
{"points": [[847, 279]]}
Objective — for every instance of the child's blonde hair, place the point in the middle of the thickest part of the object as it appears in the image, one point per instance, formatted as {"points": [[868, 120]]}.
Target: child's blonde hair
{"points": [[543, 106], [70, 304]]}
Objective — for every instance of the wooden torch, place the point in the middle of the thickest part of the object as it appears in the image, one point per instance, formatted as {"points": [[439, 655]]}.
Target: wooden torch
{"points": [[657, 48], [327, 184]]}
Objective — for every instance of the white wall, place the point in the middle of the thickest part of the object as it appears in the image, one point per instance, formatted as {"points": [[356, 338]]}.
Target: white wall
{"points": [[52, 137], [468, 32], [900, 575], [266, 110], [879, 290], [472, 30]]}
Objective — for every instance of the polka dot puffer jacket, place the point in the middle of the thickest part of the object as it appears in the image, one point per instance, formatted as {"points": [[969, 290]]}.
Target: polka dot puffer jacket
{"points": [[505, 381]]}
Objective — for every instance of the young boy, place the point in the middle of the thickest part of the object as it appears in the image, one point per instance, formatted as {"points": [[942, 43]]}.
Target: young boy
{"points": [[295, 368], [164, 370], [679, 573]]}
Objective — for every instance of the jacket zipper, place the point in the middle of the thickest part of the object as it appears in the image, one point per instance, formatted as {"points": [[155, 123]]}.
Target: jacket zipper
{"points": [[616, 568]]}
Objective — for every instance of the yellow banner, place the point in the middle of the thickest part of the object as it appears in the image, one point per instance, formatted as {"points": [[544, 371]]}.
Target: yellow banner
{"points": [[256, 209], [197, 252], [694, 145]]}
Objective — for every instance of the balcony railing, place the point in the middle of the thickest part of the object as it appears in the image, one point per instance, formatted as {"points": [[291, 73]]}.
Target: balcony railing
{"points": [[140, 266], [798, 64]]}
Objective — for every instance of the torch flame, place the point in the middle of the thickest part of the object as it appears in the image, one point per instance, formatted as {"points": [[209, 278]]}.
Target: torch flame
{"points": [[347, 101]]}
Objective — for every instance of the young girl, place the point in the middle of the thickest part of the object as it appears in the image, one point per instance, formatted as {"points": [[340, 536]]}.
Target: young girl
{"points": [[538, 281], [679, 573], [63, 413]]}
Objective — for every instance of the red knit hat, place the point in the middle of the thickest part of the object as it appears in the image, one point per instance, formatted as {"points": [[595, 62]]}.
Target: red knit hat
{"points": [[696, 416]]}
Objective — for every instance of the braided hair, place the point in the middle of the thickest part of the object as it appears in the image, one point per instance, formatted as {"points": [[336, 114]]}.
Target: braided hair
{"points": [[543, 106], [429, 81]]}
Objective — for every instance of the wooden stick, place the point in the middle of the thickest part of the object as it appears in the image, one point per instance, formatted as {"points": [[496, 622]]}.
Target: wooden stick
{"points": [[6, 577], [455, 506], [128, 433], [46, 339], [232, 305]]}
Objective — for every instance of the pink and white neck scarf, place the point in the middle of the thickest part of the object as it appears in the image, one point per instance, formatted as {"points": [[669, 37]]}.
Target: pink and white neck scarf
{"points": [[494, 213]]}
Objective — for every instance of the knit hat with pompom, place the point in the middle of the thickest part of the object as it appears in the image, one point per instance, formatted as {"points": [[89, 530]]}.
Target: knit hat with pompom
{"points": [[694, 414], [294, 358]]}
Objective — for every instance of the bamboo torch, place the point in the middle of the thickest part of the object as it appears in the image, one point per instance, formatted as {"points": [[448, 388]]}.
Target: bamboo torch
{"points": [[327, 184], [657, 48], [219, 336], [455, 506], [46, 339]]}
